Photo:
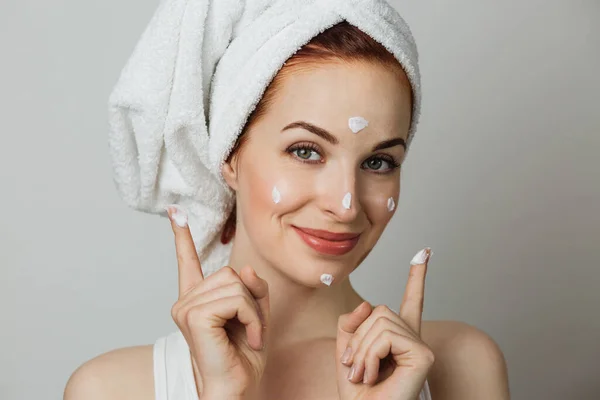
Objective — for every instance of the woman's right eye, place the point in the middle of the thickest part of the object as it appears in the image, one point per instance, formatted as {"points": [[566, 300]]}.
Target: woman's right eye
{"points": [[305, 153]]}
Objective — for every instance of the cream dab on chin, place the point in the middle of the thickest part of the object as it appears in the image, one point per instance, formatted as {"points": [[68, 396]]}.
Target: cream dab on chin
{"points": [[276, 195], [347, 200], [391, 204], [327, 279], [357, 124]]}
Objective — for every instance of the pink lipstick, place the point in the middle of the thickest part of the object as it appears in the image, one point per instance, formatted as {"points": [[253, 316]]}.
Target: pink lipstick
{"points": [[330, 243]]}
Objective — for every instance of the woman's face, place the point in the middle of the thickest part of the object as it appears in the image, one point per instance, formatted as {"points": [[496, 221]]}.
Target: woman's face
{"points": [[302, 169]]}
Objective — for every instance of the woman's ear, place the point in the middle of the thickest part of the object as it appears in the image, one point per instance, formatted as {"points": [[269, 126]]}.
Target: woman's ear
{"points": [[229, 172]]}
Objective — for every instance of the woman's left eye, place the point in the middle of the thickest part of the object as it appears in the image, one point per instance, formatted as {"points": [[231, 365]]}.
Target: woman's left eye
{"points": [[380, 164]]}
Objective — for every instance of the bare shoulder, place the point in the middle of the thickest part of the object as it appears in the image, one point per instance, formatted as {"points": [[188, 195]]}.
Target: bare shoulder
{"points": [[469, 364], [126, 373]]}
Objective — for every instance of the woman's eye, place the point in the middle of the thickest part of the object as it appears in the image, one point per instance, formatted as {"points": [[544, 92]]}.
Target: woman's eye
{"points": [[307, 154], [375, 163], [379, 164]]}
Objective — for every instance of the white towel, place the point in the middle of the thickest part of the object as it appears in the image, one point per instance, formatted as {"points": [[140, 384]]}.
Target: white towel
{"points": [[194, 77]]}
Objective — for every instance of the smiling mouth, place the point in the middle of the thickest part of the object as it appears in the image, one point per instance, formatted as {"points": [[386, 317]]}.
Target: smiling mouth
{"points": [[325, 242]]}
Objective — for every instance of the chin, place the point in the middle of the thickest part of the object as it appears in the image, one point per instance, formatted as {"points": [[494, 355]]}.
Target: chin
{"points": [[305, 264]]}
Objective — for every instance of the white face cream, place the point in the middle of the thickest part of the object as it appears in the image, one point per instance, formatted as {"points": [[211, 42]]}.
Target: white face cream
{"points": [[347, 200], [420, 257], [391, 204], [327, 279], [357, 124], [276, 195], [178, 215]]}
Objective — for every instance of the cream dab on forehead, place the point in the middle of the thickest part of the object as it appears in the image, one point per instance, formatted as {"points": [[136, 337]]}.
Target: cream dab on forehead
{"points": [[357, 124]]}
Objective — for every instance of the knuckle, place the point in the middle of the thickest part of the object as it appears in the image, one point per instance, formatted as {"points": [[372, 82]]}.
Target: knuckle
{"points": [[229, 273], [180, 258], [369, 354], [386, 334], [194, 316], [353, 346], [357, 356], [342, 319], [185, 257], [174, 311], [239, 287], [354, 343], [381, 309], [247, 301], [428, 355], [242, 301], [381, 323]]}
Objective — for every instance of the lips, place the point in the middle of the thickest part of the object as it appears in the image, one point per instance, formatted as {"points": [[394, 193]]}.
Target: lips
{"points": [[326, 242]]}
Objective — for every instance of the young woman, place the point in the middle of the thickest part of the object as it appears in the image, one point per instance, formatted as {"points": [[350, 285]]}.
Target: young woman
{"points": [[282, 320]]}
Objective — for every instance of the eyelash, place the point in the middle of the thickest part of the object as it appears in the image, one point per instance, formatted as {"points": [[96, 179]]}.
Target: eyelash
{"points": [[313, 147]]}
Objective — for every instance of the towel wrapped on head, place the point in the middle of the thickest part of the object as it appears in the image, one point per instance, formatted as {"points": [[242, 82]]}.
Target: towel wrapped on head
{"points": [[196, 74]]}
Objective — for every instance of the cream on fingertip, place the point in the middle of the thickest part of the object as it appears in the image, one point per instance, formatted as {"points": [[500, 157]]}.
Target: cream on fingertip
{"points": [[421, 257], [177, 215]]}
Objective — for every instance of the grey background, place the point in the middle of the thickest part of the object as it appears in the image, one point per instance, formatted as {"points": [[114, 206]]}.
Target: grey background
{"points": [[502, 182]]}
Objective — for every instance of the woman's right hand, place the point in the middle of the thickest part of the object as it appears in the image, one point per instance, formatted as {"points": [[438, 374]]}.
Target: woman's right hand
{"points": [[222, 318]]}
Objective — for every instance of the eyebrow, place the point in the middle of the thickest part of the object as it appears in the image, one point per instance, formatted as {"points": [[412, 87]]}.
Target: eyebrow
{"points": [[390, 143], [333, 140]]}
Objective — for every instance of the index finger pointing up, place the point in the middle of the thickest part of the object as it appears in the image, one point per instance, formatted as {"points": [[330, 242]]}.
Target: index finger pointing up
{"points": [[411, 309], [190, 271]]}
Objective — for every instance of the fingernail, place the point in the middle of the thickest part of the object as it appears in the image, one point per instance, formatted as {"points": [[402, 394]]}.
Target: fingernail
{"points": [[421, 257], [346, 355], [351, 373], [177, 214]]}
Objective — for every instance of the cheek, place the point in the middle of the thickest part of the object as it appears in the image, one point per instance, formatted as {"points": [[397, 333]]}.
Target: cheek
{"points": [[268, 192], [381, 203], [254, 196]]}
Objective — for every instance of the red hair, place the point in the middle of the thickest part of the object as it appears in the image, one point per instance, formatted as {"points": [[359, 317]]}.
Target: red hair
{"points": [[340, 43]]}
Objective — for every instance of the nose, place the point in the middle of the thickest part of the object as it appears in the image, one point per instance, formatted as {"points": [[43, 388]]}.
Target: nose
{"points": [[339, 195]]}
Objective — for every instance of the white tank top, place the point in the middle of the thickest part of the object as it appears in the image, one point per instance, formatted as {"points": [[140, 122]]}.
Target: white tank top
{"points": [[173, 374]]}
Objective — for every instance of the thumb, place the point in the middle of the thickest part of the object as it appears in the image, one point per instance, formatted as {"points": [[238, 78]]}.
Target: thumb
{"points": [[348, 324], [259, 288]]}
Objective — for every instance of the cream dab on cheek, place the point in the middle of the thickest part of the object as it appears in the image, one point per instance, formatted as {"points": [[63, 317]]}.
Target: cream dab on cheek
{"points": [[327, 279], [357, 124], [276, 195], [391, 204], [347, 200]]}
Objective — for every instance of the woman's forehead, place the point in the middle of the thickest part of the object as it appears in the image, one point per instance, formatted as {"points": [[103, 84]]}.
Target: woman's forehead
{"points": [[344, 91]]}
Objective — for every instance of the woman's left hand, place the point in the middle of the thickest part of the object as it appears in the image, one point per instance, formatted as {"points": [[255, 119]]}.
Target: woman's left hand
{"points": [[386, 348]]}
